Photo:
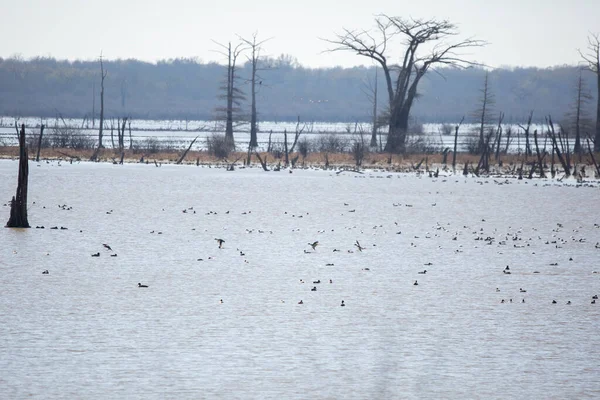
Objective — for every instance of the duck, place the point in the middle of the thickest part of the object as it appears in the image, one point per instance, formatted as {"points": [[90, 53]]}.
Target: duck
{"points": [[314, 289], [502, 301], [342, 305], [96, 254], [300, 302], [140, 285], [45, 272], [423, 272], [595, 297], [522, 290], [523, 301], [497, 289], [553, 301], [569, 302], [358, 246], [416, 283], [314, 244], [220, 241], [318, 281], [221, 301], [594, 301]]}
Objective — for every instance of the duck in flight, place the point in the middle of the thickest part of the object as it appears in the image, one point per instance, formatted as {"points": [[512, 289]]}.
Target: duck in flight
{"points": [[220, 241], [106, 246], [314, 244], [358, 246]]}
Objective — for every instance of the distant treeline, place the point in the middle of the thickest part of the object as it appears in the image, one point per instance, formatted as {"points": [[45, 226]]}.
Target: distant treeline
{"points": [[187, 89]]}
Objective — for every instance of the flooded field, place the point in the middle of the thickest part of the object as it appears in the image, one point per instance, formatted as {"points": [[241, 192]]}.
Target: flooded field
{"points": [[226, 322]]}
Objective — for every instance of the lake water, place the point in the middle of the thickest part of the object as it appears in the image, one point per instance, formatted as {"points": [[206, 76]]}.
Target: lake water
{"points": [[85, 330], [178, 134]]}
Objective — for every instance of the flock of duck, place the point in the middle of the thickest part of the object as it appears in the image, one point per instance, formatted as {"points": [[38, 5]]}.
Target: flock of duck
{"points": [[514, 238]]}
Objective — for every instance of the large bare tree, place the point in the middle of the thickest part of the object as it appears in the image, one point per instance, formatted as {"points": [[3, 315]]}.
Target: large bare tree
{"points": [[233, 95], [484, 114], [577, 118], [254, 59], [103, 74], [426, 45], [592, 59]]}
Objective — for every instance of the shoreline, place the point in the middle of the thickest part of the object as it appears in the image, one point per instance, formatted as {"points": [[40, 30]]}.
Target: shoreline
{"points": [[508, 166]]}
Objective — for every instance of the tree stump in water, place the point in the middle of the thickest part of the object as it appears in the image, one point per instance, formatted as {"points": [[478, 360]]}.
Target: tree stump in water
{"points": [[18, 204]]}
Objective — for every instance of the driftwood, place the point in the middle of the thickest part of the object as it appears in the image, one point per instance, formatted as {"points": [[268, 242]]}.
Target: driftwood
{"points": [[231, 166], [185, 152], [593, 158], [564, 159], [263, 163], [356, 171], [416, 167], [18, 204], [77, 158]]}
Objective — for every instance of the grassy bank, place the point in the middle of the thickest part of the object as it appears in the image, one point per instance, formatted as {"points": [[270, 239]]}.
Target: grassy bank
{"points": [[508, 163]]}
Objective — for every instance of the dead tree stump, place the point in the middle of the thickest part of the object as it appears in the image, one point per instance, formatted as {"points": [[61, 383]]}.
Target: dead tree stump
{"points": [[18, 204]]}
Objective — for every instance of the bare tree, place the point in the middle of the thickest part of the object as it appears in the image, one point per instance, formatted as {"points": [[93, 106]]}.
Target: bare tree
{"points": [[592, 59], [370, 91], [93, 104], [528, 150], [18, 204], [37, 157], [577, 118], [103, 74], [233, 95], [484, 114], [402, 81], [499, 136], [254, 60], [456, 128]]}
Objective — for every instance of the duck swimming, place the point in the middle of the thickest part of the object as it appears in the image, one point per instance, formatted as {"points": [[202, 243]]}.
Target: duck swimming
{"points": [[343, 305], [140, 285]]}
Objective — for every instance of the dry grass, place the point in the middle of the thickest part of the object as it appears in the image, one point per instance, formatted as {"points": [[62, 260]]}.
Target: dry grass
{"points": [[372, 160]]}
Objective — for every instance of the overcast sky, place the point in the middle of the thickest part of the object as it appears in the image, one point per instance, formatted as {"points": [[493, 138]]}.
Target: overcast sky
{"points": [[520, 32]]}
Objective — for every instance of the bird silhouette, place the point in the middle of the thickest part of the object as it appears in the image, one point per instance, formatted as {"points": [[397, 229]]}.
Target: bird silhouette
{"points": [[358, 246], [314, 244], [220, 241], [140, 285], [106, 246]]}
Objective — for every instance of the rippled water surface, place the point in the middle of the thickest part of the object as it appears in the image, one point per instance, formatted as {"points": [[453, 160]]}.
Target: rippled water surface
{"points": [[85, 330]]}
